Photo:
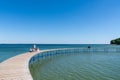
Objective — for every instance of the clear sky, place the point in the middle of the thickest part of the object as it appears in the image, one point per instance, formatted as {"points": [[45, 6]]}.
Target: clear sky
{"points": [[59, 21]]}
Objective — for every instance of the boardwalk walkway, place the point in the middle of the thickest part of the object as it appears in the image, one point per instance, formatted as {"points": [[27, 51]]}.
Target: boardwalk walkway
{"points": [[16, 68]]}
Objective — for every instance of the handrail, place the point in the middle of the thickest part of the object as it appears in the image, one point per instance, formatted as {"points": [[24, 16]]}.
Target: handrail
{"points": [[17, 68], [58, 51]]}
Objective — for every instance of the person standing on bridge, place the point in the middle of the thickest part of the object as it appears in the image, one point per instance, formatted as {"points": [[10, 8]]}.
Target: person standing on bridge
{"points": [[35, 48]]}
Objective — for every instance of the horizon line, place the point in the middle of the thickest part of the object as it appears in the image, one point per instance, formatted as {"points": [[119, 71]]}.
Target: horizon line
{"points": [[54, 43]]}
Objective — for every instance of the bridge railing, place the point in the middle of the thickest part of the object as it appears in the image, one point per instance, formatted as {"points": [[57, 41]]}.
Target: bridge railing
{"points": [[67, 51]]}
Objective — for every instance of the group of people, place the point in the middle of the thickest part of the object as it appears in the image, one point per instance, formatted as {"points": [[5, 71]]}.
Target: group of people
{"points": [[34, 49]]}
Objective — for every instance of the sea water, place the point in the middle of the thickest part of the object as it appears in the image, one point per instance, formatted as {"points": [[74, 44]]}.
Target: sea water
{"points": [[78, 66], [83, 66], [10, 50]]}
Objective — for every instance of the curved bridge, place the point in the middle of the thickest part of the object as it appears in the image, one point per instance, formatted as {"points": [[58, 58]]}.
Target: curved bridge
{"points": [[17, 68], [54, 52]]}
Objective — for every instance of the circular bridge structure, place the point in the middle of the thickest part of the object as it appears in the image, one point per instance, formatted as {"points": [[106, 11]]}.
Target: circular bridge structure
{"points": [[17, 68], [67, 51]]}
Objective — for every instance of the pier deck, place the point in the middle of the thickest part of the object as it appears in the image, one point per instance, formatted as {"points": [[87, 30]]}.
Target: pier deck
{"points": [[17, 68]]}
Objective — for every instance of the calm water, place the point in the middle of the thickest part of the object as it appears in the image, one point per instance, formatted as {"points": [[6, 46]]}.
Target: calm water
{"points": [[10, 50], [82, 66]]}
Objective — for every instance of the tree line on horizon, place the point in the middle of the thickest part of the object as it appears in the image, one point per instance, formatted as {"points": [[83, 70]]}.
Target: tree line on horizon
{"points": [[115, 41]]}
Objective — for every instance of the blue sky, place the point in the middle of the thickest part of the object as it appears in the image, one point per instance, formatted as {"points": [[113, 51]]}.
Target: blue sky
{"points": [[59, 21]]}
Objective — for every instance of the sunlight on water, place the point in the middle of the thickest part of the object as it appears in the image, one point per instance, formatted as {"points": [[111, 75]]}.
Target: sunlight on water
{"points": [[82, 66]]}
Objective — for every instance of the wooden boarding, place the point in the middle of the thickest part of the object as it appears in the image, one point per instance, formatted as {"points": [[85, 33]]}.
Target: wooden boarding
{"points": [[17, 68]]}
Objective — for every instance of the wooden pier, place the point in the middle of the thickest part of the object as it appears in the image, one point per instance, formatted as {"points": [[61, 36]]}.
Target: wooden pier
{"points": [[17, 68]]}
